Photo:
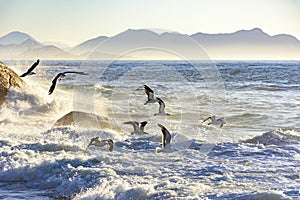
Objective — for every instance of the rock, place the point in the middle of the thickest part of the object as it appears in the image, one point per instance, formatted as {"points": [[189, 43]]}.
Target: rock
{"points": [[8, 79], [86, 120]]}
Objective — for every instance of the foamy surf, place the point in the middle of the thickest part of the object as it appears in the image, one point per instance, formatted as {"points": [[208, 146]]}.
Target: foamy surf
{"points": [[248, 158]]}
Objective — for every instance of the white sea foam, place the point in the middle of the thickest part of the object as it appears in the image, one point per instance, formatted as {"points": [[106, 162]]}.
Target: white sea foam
{"points": [[210, 162]]}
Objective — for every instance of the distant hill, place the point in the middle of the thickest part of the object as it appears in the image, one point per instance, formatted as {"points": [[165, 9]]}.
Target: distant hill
{"points": [[51, 52], [88, 45], [251, 44], [18, 45], [15, 37]]}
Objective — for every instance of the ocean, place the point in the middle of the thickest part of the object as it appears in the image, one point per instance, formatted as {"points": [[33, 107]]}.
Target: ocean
{"points": [[255, 155]]}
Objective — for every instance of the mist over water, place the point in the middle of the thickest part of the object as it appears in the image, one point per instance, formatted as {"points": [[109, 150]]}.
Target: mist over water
{"points": [[259, 101]]}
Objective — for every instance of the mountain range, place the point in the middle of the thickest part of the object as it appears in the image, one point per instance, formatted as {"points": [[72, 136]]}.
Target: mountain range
{"points": [[141, 44]]}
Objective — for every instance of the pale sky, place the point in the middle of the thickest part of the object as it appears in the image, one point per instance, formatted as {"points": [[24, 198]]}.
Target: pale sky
{"points": [[74, 21]]}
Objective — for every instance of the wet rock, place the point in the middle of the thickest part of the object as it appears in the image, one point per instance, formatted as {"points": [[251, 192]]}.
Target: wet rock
{"points": [[8, 79], [86, 120]]}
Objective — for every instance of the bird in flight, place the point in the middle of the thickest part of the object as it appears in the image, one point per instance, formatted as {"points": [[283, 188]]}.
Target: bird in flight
{"points": [[60, 75], [161, 109], [101, 143], [215, 121], [150, 95], [138, 128], [30, 70], [166, 140]]}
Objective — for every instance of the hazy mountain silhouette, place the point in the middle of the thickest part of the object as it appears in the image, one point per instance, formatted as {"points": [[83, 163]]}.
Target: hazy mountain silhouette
{"points": [[242, 44], [18, 45], [14, 37], [88, 45], [49, 52]]}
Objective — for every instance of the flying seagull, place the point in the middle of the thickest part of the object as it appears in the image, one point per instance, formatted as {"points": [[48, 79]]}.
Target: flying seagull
{"points": [[138, 128], [150, 95], [161, 109], [30, 70], [101, 143], [58, 76], [166, 140], [215, 121]]}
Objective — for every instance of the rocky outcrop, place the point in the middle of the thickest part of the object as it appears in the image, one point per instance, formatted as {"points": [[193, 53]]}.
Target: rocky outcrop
{"points": [[86, 120], [8, 79]]}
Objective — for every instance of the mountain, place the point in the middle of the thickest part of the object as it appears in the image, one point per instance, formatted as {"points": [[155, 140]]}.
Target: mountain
{"points": [[12, 51], [18, 45], [252, 44], [88, 45], [242, 44], [249, 44], [129, 44], [46, 52], [15, 37]]}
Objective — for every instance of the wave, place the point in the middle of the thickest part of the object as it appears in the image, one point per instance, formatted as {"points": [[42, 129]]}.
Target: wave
{"points": [[275, 137], [30, 101], [272, 195], [74, 171]]}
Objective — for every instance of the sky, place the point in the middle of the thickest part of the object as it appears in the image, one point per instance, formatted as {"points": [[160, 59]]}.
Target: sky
{"points": [[74, 21]]}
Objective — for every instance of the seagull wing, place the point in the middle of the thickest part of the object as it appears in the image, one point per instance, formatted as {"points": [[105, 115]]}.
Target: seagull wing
{"points": [[31, 68], [222, 121], [149, 92], [143, 124], [166, 137], [206, 119], [134, 124], [110, 143], [23, 75], [34, 65], [54, 81], [93, 140], [162, 105], [74, 72]]}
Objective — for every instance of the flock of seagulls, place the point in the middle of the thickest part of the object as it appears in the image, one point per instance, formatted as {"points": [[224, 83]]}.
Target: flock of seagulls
{"points": [[138, 128], [59, 76]]}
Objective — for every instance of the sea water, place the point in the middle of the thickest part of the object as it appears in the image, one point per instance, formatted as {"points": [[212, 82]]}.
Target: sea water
{"points": [[255, 155]]}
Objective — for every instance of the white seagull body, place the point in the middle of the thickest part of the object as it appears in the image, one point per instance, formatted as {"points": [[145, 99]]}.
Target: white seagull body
{"points": [[30, 70], [150, 95], [215, 121], [101, 143], [59, 76], [166, 141], [161, 109], [138, 128]]}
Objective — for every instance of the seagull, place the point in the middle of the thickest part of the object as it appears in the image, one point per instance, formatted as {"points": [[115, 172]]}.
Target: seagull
{"points": [[101, 143], [150, 95], [161, 109], [138, 128], [215, 121], [58, 76], [166, 140], [30, 70]]}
